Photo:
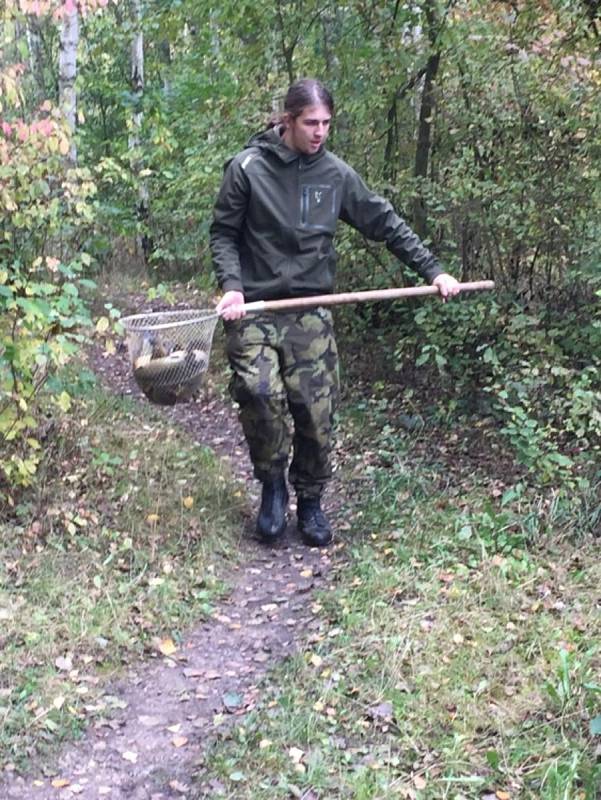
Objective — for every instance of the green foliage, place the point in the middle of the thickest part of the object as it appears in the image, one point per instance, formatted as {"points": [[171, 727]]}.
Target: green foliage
{"points": [[535, 370], [512, 189], [42, 312]]}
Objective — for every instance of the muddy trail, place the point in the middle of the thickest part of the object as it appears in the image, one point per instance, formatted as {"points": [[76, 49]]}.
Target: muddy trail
{"points": [[166, 712]]}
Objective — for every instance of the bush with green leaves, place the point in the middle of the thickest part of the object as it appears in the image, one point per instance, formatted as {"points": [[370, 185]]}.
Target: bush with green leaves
{"points": [[46, 208], [537, 371]]}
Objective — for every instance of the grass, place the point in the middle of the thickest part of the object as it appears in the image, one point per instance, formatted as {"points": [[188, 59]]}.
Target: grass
{"points": [[458, 656], [120, 549]]}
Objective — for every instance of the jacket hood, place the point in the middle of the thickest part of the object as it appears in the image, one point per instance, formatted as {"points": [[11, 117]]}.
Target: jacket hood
{"points": [[271, 140]]}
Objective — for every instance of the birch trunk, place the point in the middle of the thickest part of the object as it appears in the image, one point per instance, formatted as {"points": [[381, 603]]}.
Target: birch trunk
{"points": [[137, 87], [67, 72]]}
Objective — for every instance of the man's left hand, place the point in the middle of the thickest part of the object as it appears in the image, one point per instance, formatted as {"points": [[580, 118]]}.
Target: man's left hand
{"points": [[447, 286]]}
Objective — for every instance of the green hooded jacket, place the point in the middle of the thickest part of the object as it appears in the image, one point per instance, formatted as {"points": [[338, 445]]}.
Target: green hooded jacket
{"points": [[275, 219]]}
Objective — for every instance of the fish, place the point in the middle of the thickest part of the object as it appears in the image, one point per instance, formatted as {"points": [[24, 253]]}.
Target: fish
{"points": [[172, 378], [145, 348]]}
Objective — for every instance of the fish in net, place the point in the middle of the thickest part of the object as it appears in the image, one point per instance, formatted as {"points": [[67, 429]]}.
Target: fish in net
{"points": [[169, 352]]}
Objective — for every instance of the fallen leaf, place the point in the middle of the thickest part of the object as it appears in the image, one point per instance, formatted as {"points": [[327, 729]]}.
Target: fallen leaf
{"points": [[102, 325], [152, 519], [179, 741], [381, 711], [167, 647], [149, 722], [189, 672], [503, 795], [296, 754], [232, 701], [212, 675], [188, 502], [60, 783], [306, 573], [64, 663], [419, 782], [261, 657], [178, 786]]}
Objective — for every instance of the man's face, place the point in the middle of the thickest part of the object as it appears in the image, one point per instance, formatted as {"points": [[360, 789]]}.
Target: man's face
{"points": [[308, 132]]}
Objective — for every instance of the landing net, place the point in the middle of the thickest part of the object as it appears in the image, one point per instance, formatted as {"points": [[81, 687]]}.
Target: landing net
{"points": [[169, 352]]}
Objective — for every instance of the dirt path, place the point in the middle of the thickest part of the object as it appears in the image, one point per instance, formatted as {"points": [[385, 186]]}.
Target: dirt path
{"points": [[166, 712]]}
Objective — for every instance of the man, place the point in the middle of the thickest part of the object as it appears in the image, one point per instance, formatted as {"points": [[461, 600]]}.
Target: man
{"points": [[272, 237]]}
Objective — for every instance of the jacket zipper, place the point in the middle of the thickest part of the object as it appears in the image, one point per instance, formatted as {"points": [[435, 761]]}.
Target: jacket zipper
{"points": [[304, 197], [305, 206]]}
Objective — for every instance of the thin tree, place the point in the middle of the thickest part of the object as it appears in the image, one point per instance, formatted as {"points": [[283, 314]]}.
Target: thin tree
{"points": [[143, 243], [67, 70], [426, 111]]}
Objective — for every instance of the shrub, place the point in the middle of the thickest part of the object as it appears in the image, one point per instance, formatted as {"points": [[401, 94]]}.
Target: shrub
{"points": [[537, 371], [46, 206]]}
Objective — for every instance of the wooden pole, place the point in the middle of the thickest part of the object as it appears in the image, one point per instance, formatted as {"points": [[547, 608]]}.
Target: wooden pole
{"points": [[359, 297]]}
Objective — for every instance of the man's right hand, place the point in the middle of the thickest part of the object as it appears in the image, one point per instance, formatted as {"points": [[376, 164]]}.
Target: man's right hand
{"points": [[231, 305]]}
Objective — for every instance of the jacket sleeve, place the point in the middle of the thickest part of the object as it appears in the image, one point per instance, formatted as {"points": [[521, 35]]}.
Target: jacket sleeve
{"points": [[228, 221], [375, 218]]}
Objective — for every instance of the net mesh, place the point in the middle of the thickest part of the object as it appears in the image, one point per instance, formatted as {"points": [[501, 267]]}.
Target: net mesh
{"points": [[169, 352]]}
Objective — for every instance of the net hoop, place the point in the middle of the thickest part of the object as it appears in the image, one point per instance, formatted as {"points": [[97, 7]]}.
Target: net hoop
{"points": [[160, 320]]}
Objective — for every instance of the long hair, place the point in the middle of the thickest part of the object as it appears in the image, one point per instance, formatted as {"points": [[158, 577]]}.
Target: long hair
{"points": [[300, 95]]}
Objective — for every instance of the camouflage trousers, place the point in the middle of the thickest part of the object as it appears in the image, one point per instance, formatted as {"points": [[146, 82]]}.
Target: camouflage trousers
{"points": [[285, 368]]}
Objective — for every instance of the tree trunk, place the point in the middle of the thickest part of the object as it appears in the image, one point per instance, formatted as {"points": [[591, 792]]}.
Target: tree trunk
{"points": [[426, 111], [424, 142], [165, 51], [143, 242], [392, 142], [36, 60], [67, 71], [287, 48]]}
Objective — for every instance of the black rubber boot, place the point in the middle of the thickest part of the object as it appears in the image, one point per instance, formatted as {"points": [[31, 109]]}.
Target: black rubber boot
{"points": [[271, 522], [312, 522]]}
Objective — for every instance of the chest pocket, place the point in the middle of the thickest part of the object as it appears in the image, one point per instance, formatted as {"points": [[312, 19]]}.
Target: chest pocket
{"points": [[318, 207]]}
